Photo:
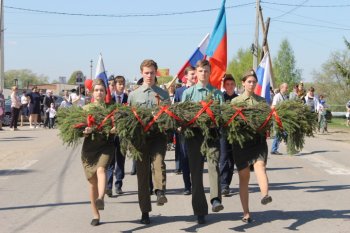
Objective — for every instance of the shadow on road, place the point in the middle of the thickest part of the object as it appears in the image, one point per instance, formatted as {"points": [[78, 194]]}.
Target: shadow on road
{"points": [[295, 186], [317, 152], [12, 172], [45, 205], [259, 218], [281, 168], [300, 217], [17, 139]]}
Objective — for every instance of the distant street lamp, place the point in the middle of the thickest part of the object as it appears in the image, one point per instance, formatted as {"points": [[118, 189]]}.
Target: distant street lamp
{"points": [[91, 68]]}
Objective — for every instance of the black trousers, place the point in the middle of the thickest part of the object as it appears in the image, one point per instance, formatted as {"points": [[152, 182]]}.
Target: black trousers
{"points": [[14, 115]]}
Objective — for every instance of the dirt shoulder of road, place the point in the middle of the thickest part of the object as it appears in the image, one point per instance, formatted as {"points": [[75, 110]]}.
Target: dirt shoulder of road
{"points": [[336, 134]]}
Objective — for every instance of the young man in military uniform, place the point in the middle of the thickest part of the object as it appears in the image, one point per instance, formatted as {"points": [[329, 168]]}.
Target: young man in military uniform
{"points": [[196, 93], [149, 95]]}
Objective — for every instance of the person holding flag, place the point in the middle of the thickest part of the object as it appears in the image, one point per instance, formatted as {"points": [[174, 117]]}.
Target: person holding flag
{"points": [[253, 154]]}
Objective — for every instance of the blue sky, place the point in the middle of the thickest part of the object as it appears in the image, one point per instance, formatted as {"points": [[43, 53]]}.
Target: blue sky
{"points": [[57, 45]]}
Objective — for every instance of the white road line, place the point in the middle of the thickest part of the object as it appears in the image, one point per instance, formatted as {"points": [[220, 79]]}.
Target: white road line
{"points": [[327, 165], [24, 166]]}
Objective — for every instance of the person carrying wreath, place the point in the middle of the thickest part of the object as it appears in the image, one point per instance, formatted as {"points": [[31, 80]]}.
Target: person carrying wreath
{"points": [[201, 91], [253, 153], [96, 153], [149, 95]]}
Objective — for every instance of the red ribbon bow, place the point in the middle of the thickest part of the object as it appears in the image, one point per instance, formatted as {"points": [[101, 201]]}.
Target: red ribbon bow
{"points": [[238, 112], [162, 109], [277, 118], [205, 108]]}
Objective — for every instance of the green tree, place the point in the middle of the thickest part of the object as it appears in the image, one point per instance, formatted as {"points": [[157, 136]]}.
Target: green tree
{"points": [[73, 77], [240, 64], [284, 66], [332, 80], [25, 78]]}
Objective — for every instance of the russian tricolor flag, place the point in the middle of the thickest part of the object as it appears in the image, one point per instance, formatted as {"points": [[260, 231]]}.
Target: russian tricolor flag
{"points": [[263, 73], [101, 74], [217, 49], [199, 54]]}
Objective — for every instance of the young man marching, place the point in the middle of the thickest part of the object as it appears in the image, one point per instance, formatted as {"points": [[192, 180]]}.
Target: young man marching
{"points": [[196, 93], [148, 95]]}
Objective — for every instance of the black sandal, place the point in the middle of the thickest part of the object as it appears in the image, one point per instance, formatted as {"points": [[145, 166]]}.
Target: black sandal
{"points": [[95, 222], [265, 200], [100, 205]]}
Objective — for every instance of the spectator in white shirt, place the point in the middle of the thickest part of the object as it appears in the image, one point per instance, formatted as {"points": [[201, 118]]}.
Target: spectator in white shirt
{"points": [[281, 96]]}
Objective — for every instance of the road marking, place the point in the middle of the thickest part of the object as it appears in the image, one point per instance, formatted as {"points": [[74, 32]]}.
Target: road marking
{"points": [[24, 166], [328, 166]]}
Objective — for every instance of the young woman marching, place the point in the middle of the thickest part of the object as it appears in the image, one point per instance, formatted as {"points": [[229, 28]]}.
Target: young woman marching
{"points": [[253, 153], [96, 154]]}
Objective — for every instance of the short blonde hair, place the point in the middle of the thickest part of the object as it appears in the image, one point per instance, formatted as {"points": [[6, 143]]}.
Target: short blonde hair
{"points": [[98, 82], [14, 88]]}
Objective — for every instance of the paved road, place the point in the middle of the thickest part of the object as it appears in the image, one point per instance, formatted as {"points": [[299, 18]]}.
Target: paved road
{"points": [[43, 189]]}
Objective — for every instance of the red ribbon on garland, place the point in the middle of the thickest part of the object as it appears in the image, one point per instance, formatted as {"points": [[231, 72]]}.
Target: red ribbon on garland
{"points": [[277, 118], [206, 109], [238, 112], [137, 117], [162, 109], [90, 121], [111, 115]]}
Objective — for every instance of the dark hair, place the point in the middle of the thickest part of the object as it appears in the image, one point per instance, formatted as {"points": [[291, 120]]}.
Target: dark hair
{"points": [[249, 73], [311, 89], [202, 63], [189, 68], [148, 63], [119, 79], [111, 77], [229, 77]]}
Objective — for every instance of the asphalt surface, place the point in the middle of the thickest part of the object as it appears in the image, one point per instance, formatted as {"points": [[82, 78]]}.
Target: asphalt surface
{"points": [[43, 189]]}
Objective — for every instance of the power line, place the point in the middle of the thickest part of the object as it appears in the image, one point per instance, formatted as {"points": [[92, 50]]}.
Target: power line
{"points": [[311, 6], [125, 15], [313, 25], [307, 17], [290, 11]]}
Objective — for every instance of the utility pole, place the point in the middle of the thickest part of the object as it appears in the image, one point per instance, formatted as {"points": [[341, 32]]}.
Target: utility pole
{"points": [[2, 74], [266, 44], [91, 69], [255, 46]]}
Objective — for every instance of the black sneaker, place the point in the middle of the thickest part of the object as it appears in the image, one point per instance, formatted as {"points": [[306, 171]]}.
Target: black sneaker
{"points": [[133, 173], [276, 153], [187, 192], [161, 198], [109, 192], [225, 192], [119, 191], [217, 206], [145, 218]]}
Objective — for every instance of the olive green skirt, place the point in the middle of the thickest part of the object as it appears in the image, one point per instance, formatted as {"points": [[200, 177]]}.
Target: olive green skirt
{"points": [[96, 153]]}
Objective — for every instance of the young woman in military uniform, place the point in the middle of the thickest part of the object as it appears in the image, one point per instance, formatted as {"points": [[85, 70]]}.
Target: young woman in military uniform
{"points": [[253, 153], [96, 154]]}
